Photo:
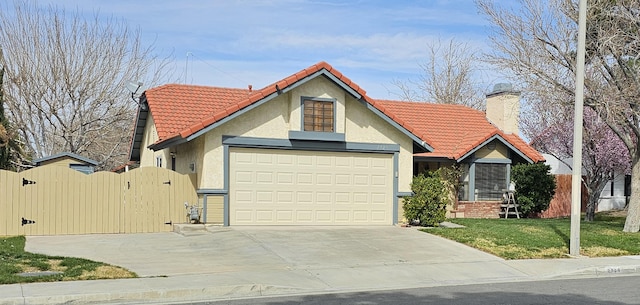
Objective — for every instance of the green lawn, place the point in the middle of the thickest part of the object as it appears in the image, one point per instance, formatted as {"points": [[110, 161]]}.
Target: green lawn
{"points": [[14, 260], [543, 238]]}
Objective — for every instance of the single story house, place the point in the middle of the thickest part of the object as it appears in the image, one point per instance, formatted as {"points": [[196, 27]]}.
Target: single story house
{"points": [[71, 160], [314, 149]]}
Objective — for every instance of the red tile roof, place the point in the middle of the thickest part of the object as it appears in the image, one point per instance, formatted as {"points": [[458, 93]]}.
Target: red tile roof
{"points": [[177, 107], [453, 130], [179, 111]]}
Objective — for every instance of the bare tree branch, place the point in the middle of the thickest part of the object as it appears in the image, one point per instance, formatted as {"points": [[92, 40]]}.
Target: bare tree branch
{"points": [[66, 79]]}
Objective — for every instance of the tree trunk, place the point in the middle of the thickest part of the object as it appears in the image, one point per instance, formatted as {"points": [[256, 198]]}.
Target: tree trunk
{"points": [[632, 224], [592, 203]]}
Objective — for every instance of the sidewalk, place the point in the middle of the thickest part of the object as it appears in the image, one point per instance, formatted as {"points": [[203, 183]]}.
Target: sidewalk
{"points": [[225, 263]]}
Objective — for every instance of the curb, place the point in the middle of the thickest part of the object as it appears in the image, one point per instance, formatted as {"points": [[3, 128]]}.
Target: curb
{"points": [[602, 271], [159, 295]]}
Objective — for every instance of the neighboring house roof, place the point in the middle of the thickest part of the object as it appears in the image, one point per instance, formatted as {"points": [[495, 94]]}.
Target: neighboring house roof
{"points": [[455, 131], [183, 112], [66, 154]]}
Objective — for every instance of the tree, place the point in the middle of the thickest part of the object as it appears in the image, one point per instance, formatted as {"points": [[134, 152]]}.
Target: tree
{"points": [[66, 80], [535, 187], [537, 45], [448, 77], [604, 154], [11, 152]]}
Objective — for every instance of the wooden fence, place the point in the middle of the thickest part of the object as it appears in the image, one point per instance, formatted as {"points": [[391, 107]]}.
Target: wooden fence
{"points": [[53, 200], [560, 205]]}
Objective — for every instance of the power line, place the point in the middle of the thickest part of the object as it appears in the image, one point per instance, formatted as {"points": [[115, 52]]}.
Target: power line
{"points": [[190, 54]]}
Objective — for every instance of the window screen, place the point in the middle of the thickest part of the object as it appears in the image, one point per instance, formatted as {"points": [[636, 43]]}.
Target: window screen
{"points": [[318, 115], [491, 181]]}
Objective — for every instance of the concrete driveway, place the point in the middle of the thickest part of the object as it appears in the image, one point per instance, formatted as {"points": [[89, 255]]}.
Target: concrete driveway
{"points": [[328, 254], [237, 262]]}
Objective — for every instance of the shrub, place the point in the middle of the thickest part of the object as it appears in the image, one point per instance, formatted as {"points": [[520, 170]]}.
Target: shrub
{"points": [[450, 176], [428, 204], [535, 187]]}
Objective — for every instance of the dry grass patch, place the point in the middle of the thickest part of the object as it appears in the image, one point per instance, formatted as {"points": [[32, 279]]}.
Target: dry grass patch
{"points": [[550, 253], [42, 268], [530, 230], [602, 251], [106, 272]]}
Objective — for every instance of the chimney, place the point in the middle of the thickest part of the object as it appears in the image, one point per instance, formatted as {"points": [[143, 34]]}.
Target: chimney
{"points": [[503, 108]]}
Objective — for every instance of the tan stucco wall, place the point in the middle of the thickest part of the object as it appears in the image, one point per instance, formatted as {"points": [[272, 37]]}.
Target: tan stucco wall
{"points": [[364, 126], [318, 87], [150, 136], [266, 121], [500, 152]]}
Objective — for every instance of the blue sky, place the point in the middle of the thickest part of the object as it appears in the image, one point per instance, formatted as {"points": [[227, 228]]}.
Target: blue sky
{"points": [[237, 43]]}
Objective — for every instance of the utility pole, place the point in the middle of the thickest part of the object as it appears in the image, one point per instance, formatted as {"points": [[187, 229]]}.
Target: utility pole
{"points": [[576, 178]]}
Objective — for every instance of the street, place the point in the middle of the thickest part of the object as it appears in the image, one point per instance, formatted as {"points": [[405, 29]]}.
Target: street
{"points": [[604, 290]]}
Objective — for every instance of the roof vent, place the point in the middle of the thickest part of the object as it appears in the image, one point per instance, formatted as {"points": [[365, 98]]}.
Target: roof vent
{"points": [[250, 88]]}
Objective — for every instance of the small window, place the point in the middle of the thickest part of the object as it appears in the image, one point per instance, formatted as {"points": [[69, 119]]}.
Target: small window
{"points": [[159, 161], [318, 115]]}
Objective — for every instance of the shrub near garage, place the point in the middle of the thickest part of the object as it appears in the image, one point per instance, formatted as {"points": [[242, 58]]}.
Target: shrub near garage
{"points": [[427, 206]]}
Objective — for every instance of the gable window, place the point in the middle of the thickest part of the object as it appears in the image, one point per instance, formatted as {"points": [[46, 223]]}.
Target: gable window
{"points": [[318, 114]]}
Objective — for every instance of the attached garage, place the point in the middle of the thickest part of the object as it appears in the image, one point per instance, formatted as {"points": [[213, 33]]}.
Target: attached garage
{"points": [[301, 187]]}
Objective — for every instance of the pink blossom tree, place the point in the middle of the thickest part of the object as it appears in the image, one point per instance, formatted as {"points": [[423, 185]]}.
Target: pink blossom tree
{"points": [[604, 154]]}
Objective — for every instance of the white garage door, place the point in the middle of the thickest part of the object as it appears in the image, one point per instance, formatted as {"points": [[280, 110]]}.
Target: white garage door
{"points": [[292, 187]]}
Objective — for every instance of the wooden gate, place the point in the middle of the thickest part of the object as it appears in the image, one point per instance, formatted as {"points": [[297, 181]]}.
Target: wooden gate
{"points": [[53, 200]]}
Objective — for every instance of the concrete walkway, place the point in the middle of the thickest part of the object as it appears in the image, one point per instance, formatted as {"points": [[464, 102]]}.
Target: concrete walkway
{"points": [[234, 262]]}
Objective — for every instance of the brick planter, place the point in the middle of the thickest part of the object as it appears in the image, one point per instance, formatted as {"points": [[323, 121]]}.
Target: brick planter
{"points": [[476, 209]]}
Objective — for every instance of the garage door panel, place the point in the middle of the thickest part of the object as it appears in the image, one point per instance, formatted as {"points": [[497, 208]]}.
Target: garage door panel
{"points": [[304, 179], [324, 179], [243, 216], [304, 216], [343, 179], [324, 161], [361, 179], [264, 197], [285, 178], [379, 180], [244, 177], [304, 161], [324, 198], [324, 216], [265, 159], [343, 197], [304, 197], [360, 198], [264, 216], [378, 198], [285, 197], [309, 188], [264, 178]]}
